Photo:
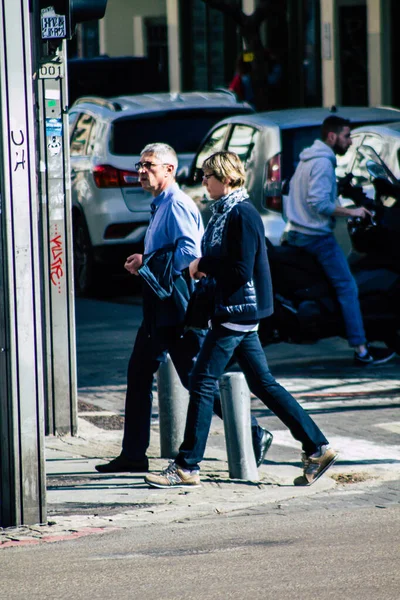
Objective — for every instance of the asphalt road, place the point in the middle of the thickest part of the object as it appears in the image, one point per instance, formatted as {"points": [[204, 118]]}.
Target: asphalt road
{"points": [[342, 543], [292, 552]]}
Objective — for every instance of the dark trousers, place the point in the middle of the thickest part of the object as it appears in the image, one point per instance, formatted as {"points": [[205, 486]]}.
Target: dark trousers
{"points": [[143, 364], [218, 347]]}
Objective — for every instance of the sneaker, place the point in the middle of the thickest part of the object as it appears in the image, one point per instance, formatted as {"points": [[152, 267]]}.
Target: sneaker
{"points": [[315, 465], [174, 476], [122, 464], [374, 356]]}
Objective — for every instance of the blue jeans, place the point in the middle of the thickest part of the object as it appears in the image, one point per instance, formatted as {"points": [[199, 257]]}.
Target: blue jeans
{"points": [[218, 347], [143, 364], [332, 259]]}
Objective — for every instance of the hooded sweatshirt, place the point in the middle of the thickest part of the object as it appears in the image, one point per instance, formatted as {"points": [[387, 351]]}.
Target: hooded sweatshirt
{"points": [[313, 192]]}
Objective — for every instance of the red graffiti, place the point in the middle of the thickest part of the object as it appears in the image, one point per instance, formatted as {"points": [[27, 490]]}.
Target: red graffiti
{"points": [[56, 264]]}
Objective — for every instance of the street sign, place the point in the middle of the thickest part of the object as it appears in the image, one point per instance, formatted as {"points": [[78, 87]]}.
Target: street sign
{"points": [[53, 26], [51, 70]]}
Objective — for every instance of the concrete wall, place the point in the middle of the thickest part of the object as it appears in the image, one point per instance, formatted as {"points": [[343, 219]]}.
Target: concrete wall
{"points": [[120, 22]]}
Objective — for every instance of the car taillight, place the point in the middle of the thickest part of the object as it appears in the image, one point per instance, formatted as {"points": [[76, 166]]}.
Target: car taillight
{"points": [[106, 176], [273, 185]]}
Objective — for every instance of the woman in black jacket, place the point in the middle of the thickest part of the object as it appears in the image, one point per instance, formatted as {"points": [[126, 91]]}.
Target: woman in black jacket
{"points": [[234, 255]]}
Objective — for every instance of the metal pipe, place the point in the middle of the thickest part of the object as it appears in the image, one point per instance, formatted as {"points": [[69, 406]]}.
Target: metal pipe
{"points": [[173, 401], [235, 401]]}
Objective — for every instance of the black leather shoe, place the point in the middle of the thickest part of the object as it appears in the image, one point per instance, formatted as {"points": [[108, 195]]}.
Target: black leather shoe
{"points": [[261, 445], [122, 464]]}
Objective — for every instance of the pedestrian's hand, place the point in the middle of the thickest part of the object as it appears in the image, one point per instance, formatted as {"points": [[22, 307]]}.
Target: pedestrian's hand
{"points": [[362, 212], [133, 263], [194, 270]]}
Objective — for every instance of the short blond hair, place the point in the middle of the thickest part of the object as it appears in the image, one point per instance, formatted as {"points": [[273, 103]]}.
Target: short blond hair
{"points": [[226, 165]]}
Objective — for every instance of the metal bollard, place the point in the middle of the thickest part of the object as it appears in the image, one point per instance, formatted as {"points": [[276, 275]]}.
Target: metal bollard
{"points": [[235, 400], [173, 401]]}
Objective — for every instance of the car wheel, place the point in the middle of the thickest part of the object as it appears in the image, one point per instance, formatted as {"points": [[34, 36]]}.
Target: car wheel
{"points": [[83, 259]]}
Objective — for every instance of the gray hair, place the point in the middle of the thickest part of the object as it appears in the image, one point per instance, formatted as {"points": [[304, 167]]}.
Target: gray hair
{"points": [[166, 154]]}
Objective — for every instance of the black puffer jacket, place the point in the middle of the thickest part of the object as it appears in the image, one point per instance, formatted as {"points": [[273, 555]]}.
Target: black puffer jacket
{"points": [[241, 269]]}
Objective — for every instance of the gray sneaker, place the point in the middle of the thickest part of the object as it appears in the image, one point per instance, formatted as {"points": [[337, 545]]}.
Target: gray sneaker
{"points": [[315, 465], [174, 476]]}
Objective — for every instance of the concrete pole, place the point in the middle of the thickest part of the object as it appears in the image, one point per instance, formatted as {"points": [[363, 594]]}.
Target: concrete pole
{"points": [[379, 88], [173, 401], [174, 46], [56, 218], [330, 81], [248, 6], [235, 400], [22, 466]]}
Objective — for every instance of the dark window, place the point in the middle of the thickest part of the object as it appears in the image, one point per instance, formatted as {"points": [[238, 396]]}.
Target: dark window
{"points": [[183, 130], [353, 52], [157, 47]]}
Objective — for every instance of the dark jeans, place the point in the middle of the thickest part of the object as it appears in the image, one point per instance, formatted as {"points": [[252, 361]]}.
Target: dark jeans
{"points": [[330, 255], [143, 364], [219, 345]]}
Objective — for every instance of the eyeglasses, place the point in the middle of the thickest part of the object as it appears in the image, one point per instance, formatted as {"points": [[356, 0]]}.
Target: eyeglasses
{"points": [[208, 176], [148, 165]]}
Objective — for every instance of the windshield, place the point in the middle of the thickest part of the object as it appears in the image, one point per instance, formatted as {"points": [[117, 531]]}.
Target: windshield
{"points": [[183, 130]]}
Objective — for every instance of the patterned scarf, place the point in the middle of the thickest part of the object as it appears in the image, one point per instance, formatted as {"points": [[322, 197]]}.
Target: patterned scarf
{"points": [[212, 238]]}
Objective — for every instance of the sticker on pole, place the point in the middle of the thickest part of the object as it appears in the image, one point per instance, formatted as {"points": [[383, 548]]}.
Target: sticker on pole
{"points": [[53, 26], [53, 127], [54, 146]]}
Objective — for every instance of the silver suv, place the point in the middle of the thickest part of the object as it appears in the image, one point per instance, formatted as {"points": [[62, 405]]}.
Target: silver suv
{"points": [[110, 209], [269, 144]]}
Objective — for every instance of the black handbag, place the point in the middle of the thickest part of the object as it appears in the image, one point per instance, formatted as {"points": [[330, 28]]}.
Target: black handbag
{"points": [[201, 304]]}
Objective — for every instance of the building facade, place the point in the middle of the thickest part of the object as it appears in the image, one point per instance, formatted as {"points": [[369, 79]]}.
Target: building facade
{"points": [[326, 51]]}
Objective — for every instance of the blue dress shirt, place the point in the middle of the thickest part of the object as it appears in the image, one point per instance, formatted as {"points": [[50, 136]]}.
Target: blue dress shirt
{"points": [[175, 220]]}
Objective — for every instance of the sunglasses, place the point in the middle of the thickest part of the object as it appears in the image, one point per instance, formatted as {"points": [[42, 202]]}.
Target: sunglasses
{"points": [[148, 165]]}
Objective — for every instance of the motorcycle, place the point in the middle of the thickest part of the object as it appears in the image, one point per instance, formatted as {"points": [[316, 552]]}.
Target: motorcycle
{"points": [[305, 305]]}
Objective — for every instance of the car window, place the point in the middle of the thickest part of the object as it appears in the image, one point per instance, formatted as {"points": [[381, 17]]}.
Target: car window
{"points": [[81, 135], [359, 169], [214, 143], [242, 141], [183, 130], [293, 142], [72, 117]]}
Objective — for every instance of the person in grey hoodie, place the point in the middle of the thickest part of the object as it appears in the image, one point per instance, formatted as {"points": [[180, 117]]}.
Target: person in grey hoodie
{"points": [[310, 209]]}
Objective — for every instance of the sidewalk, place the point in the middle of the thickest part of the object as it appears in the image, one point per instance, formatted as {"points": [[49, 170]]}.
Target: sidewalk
{"points": [[82, 501]]}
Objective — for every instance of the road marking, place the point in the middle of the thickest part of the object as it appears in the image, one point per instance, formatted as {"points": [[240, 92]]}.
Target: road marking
{"points": [[393, 427], [351, 450]]}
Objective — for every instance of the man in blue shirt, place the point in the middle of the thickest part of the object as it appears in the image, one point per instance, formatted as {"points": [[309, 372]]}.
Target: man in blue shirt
{"points": [[175, 221]]}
